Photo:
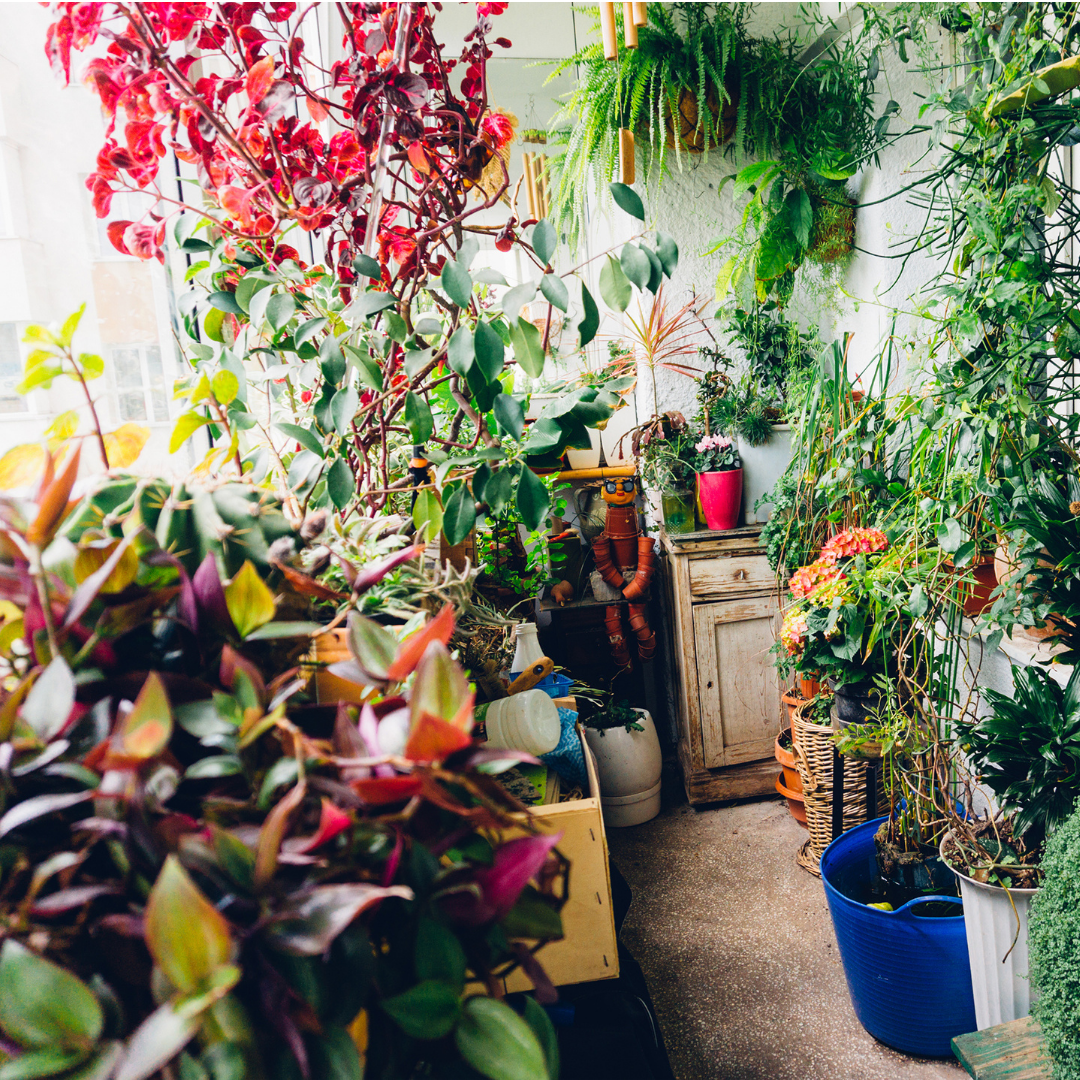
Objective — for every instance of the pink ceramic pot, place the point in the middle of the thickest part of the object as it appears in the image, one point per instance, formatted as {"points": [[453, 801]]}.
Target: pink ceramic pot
{"points": [[721, 498]]}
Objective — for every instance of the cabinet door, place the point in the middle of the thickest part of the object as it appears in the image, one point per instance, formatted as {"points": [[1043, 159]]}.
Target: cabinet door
{"points": [[738, 687]]}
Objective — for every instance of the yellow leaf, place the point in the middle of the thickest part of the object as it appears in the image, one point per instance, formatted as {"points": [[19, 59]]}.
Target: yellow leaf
{"points": [[186, 426], [92, 555], [249, 600], [187, 936], [125, 444], [225, 386], [21, 465], [62, 428], [202, 390], [9, 634], [148, 727]]}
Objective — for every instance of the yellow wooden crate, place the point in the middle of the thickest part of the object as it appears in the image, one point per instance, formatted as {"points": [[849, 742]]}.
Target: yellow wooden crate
{"points": [[587, 951]]}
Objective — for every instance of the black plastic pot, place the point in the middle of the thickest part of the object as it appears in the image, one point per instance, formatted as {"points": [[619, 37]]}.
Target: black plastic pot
{"points": [[853, 703]]}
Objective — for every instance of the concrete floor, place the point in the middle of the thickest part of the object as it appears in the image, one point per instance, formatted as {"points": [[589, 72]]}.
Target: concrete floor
{"points": [[737, 946]]}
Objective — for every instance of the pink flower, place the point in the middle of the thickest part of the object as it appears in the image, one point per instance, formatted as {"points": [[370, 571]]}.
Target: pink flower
{"points": [[793, 632], [856, 541], [808, 578]]}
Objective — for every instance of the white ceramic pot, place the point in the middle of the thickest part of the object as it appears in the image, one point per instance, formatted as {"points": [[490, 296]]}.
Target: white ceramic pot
{"points": [[628, 764], [617, 449], [537, 404], [999, 969], [762, 467], [586, 459]]}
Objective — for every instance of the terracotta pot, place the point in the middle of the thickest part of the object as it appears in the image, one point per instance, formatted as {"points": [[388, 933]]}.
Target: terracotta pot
{"points": [[331, 648], [809, 686], [792, 780], [792, 700], [622, 530], [1004, 565], [721, 498], [977, 599], [795, 801]]}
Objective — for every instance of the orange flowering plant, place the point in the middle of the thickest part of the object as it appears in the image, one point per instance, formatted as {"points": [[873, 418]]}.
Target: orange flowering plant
{"points": [[852, 609]]}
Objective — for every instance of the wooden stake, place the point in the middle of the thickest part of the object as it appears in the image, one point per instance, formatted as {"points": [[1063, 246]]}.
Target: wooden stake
{"points": [[626, 155], [629, 26], [530, 187], [641, 14], [607, 28]]}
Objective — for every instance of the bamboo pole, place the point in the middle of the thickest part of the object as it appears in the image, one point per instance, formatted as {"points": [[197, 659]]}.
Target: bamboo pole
{"points": [[530, 187], [626, 155], [607, 28], [629, 26], [641, 14]]}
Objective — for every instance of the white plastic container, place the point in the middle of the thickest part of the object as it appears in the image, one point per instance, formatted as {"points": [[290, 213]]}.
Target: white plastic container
{"points": [[527, 649], [528, 721], [628, 764], [762, 467], [999, 977]]}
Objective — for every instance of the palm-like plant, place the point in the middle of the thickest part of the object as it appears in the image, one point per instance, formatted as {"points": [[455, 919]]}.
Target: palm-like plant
{"points": [[662, 340], [1027, 751]]}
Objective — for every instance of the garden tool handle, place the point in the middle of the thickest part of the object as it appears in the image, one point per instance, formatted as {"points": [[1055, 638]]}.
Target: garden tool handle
{"points": [[531, 676]]}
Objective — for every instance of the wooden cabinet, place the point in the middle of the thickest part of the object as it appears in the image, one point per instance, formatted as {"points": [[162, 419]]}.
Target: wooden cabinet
{"points": [[722, 618]]}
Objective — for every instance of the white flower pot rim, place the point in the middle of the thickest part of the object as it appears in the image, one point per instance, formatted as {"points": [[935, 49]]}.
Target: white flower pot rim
{"points": [[979, 884]]}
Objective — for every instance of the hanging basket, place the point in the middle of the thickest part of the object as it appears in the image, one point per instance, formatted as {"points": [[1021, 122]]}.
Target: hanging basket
{"points": [[692, 137], [815, 756]]}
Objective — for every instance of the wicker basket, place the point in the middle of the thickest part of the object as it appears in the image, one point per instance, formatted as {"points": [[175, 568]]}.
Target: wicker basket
{"points": [[814, 756]]}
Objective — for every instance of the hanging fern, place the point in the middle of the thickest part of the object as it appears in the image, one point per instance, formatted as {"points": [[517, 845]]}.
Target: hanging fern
{"points": [[700, 58]]}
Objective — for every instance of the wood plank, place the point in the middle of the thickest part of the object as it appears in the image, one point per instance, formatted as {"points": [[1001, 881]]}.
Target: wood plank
{"points": [[734, 782], [729, 575], [1012, 1051], [738, 687]]}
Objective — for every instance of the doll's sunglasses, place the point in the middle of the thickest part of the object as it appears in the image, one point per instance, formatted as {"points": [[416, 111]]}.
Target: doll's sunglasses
{"points": [[613, 486]]}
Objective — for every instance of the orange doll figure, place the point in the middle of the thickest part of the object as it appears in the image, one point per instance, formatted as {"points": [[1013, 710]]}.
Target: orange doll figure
{"points": [[622, 547]]}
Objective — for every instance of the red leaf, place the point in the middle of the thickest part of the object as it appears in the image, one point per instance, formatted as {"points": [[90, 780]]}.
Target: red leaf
{"points": [[316, 110], [115, 231], [384, 790], [372, 575], [418, 158], [331, 822], [432, 739], [441, 628], [514, 865], [259, 79]]}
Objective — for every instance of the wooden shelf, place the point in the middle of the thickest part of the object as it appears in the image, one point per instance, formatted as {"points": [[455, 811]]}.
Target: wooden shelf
{"points": [[608, 471]]}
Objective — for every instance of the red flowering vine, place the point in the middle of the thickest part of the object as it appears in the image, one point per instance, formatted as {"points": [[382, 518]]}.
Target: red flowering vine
{"points": [[275, 138]]}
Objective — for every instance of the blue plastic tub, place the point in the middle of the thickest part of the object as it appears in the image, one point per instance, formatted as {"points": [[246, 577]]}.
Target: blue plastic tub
{"points": [[907, 975], [554, 685]]}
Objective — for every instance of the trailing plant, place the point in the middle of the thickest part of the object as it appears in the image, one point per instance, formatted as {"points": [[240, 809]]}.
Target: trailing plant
{"points": [[664, 449], [1053, 933], [204, 869]]}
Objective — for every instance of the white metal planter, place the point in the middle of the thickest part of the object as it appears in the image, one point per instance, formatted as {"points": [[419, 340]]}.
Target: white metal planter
{"points": [[629, 765], [994, 919], [762, 467]]}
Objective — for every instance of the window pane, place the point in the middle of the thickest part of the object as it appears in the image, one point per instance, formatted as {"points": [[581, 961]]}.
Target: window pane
{"points": [[128, 369], [156, 374], [10, 370], [161, 406], [132, 405]]}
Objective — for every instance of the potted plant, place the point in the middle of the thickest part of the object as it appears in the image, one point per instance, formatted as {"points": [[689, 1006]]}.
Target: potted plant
{"points": [[758, 407], [628, 760], [1026, 751], [665, 452], [719, 480]]}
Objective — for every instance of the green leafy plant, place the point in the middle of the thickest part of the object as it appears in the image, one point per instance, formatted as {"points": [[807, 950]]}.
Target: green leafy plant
{"points": [[615, 714], [1027, 750], [204, 868], [1053, 934]]}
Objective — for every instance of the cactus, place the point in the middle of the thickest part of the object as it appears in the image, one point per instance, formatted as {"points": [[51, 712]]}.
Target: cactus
{"points": [[234, 522]]}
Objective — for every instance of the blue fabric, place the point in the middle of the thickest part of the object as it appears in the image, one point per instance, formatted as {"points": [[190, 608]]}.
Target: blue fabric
{"points": [[568, 758]]}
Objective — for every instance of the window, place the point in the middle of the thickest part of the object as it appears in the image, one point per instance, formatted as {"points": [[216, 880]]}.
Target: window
{"points": [[11, 370], [140, 383]]}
